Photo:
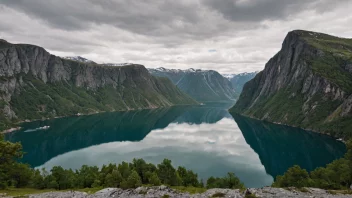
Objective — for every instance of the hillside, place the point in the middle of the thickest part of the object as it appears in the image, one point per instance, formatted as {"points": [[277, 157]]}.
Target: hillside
{"points": [[308, 84], [35, 84], [238, 80], [202, 85]]}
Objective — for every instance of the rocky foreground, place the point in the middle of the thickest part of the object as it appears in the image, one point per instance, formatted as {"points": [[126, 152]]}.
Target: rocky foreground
{"points": [[163, 191]]}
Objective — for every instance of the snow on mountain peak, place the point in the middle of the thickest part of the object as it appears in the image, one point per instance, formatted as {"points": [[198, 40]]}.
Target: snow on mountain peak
{"points": [[78, 58], [117, 64]]}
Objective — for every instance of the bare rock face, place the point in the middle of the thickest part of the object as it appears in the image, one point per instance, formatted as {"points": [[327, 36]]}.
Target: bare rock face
{"points": [[307, 84], [163, 191], [32, 78]]}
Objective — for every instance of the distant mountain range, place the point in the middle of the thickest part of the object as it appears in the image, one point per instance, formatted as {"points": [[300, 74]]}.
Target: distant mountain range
{"points": [[202, 85], [238, 81], [206, 85], [35, 84], [307, 84]]}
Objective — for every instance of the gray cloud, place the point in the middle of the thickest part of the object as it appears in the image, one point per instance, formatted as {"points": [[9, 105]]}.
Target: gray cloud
{"points": [[144, 17], [258, 10], [175, 34]]}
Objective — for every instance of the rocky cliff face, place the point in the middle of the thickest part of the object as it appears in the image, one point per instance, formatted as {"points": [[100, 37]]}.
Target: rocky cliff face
{"points": [[202, 85], [36, 84], [306, 84]]}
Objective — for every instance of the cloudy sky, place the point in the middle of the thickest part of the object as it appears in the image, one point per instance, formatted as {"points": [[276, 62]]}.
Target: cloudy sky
{"points": [[230, 36]]}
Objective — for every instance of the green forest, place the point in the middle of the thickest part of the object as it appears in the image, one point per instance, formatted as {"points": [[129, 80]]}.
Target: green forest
{"points": [[335, 176], [124, 175]]}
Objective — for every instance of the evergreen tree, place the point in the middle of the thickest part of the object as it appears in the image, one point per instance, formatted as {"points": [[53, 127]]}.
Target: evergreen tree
{"points": [[96, 183], [294, 177], [10, 153], [113, 179], [167, 173], [133, 181], [38, 180], [124, 169], [154, 179]]}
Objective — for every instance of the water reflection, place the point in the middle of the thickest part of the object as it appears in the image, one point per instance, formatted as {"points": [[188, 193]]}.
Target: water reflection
{"points": [[205, 139], [280, 147]]}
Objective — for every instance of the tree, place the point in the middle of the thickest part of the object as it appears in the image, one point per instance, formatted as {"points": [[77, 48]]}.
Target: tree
{"points": [[113, 179], [38, 180], [167, 173], [140, 166], [106, 169], [294, 177], [64, 178], [87, 175], [96, 183], [211, 182], [9, 154], [124, 169], [233, 182], [20, 174], [229, 181], [133, 181], [154, 179]]}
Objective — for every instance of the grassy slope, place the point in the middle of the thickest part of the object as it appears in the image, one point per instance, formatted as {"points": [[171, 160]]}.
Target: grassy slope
{"points": [[337, 53], [284, 108], [38, 100]]}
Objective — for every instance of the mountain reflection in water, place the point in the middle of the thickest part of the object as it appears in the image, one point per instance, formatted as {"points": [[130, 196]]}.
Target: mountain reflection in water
{"points": [[205, 139]]}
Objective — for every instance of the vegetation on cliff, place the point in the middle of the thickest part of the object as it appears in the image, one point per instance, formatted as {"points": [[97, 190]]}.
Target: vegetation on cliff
{"points": [[307, 84], [35, 84]]}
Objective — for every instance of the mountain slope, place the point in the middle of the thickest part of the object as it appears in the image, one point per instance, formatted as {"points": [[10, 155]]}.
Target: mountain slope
{"points": [[35, 84], [238, 80], [308, 84], [202, 85]]}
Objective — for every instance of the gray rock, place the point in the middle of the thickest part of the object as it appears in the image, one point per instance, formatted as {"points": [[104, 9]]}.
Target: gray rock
{"points": [[292, 193], [160, 191], [68, 194]]}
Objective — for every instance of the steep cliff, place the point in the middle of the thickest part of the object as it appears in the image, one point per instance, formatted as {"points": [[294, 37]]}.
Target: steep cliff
{"points": [[202, 85], [308, 84], [35, 84]]}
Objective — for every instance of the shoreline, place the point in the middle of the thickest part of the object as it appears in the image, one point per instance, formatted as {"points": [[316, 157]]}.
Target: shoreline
{"points": [[13, 129], [339, 139]]}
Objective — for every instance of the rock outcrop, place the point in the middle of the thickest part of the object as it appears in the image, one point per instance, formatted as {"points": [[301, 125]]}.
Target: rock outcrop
{"points": [[35, 84], [163, 191], [307, 84], [202, 85]]}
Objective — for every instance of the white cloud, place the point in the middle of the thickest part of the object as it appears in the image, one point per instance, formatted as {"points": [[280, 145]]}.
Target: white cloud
{"points": [[172, 34]]}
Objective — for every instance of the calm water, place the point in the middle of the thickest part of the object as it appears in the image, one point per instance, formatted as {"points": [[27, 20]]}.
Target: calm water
{"points": [[206, 139]]}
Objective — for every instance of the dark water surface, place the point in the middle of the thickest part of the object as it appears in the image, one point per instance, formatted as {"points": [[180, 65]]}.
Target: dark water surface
{"points": [[206, 139]]}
